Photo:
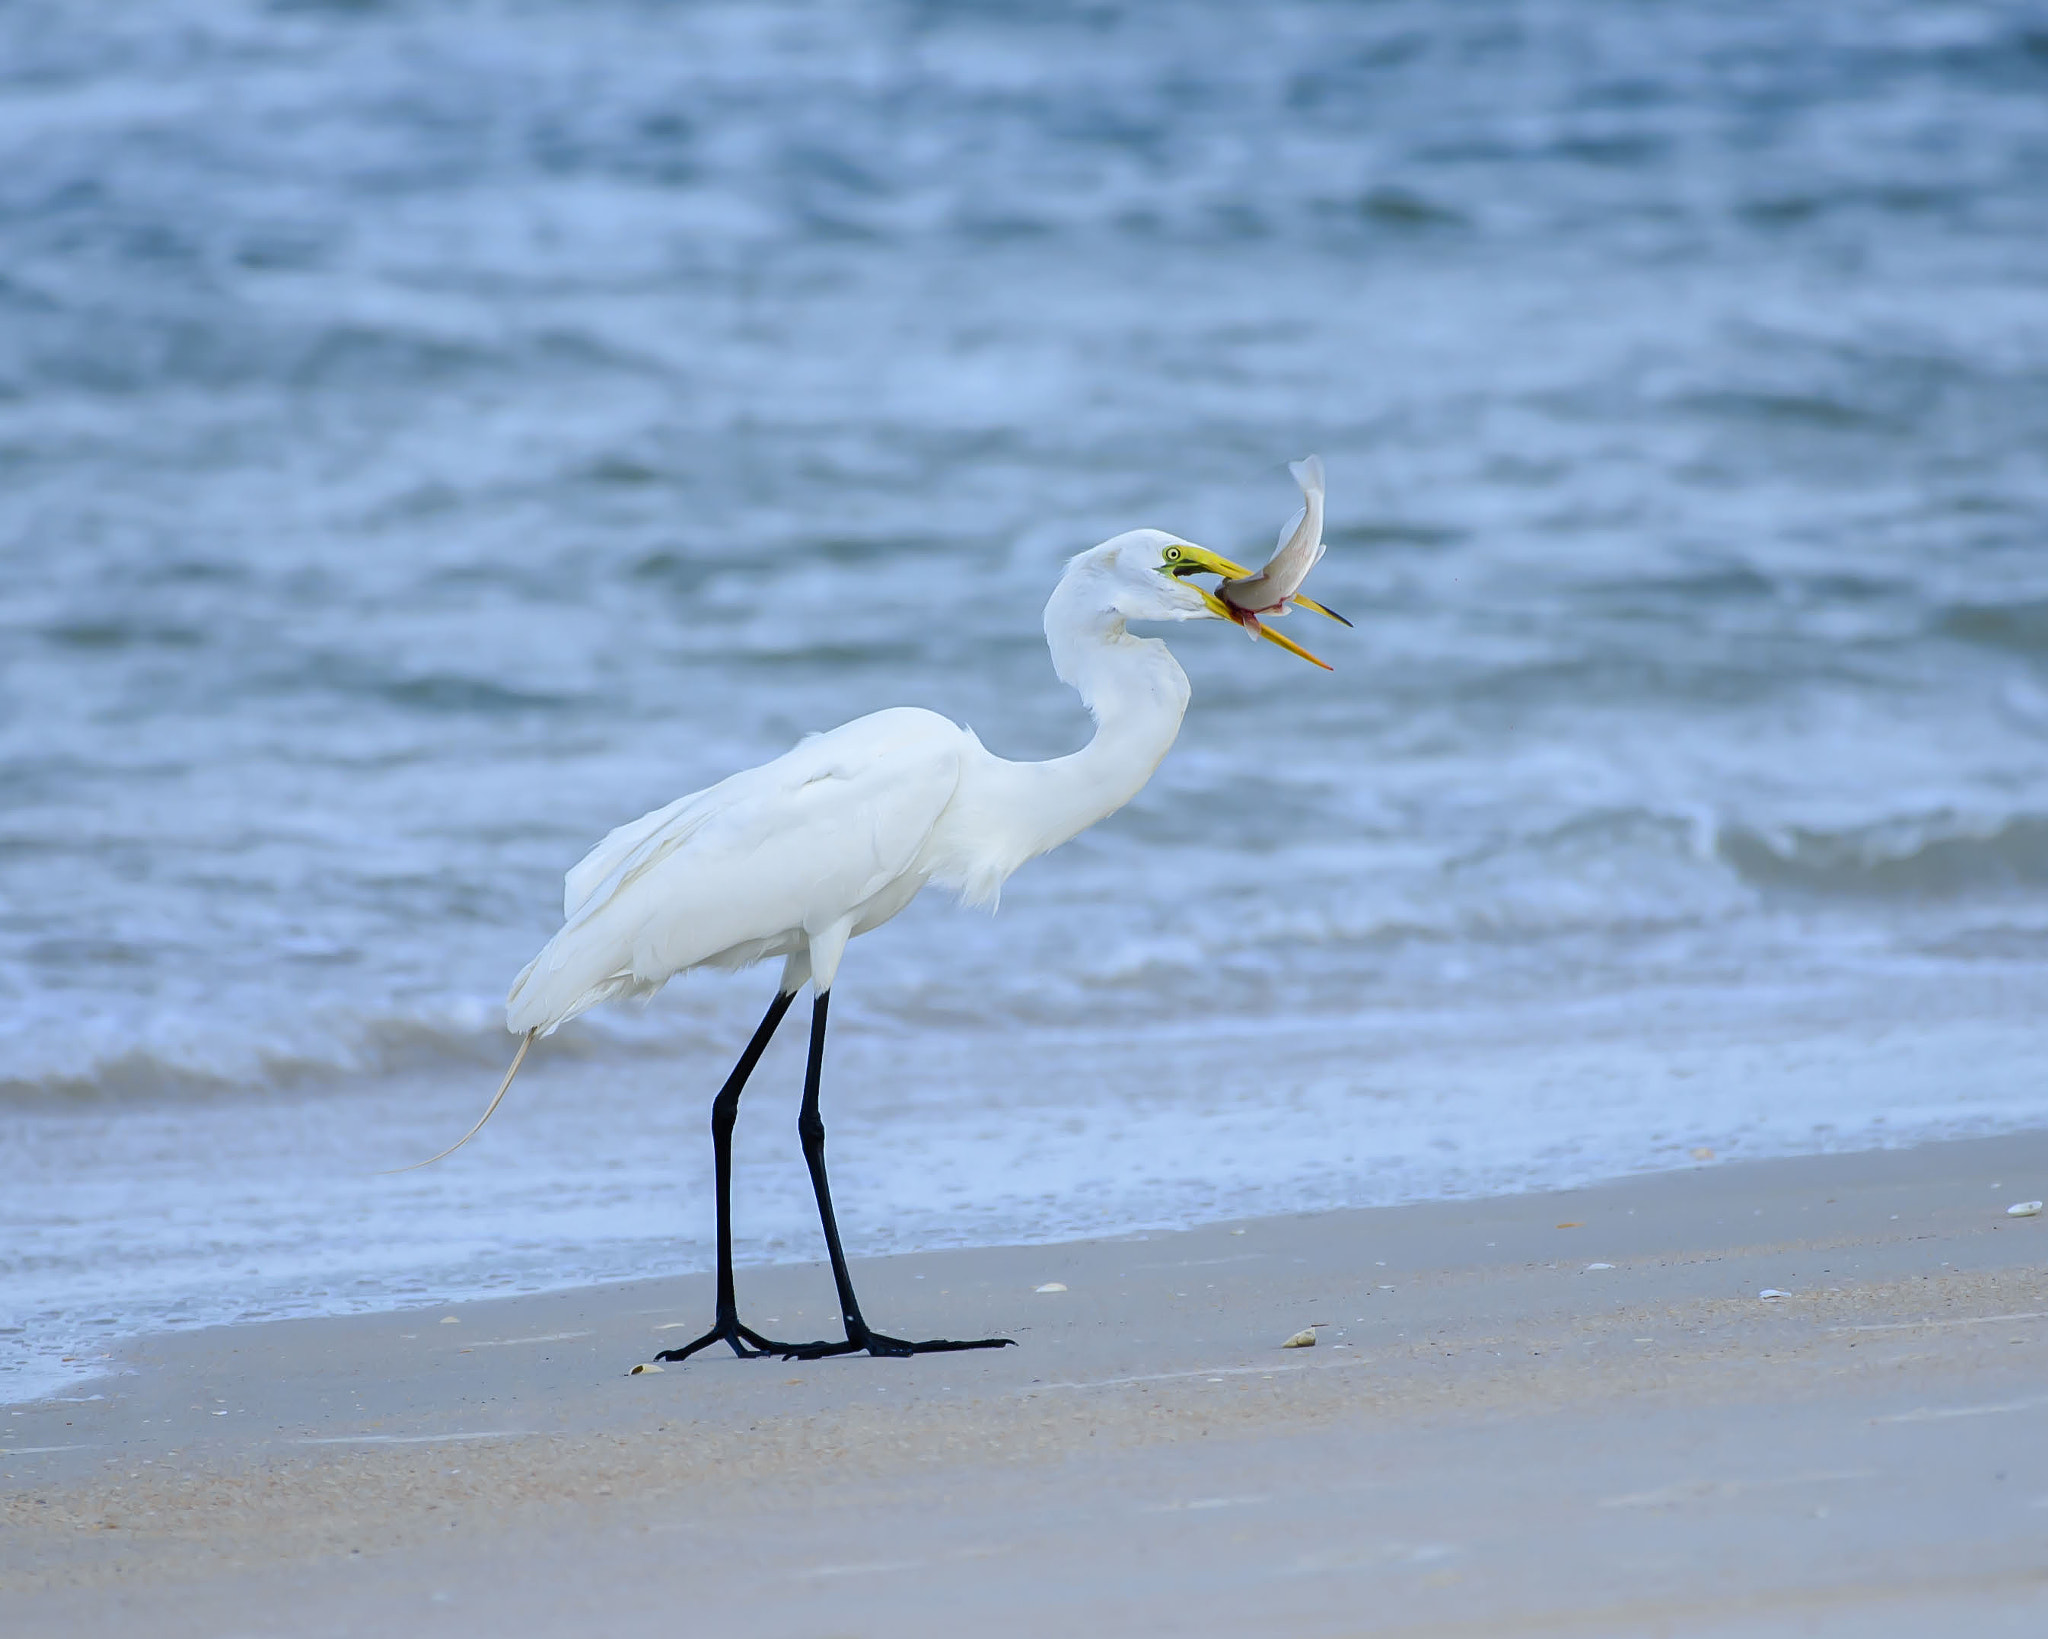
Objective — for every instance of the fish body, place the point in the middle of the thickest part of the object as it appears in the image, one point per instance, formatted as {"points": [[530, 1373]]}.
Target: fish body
{"points": [[1299, 549]]}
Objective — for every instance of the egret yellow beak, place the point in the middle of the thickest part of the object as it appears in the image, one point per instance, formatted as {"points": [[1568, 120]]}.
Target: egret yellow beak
{"points": [[1199, 560], [1257, 627]]}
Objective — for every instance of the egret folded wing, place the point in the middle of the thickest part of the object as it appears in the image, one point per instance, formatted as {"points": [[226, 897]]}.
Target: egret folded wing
{"points": [[588, 873], [748, 868]]}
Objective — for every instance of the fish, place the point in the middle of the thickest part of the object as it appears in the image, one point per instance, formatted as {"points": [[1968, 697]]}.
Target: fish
{"points": [[1277, 587]]}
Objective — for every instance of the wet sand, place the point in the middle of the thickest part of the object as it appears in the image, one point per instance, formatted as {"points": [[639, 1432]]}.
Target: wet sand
{"points": [[1495, 1434]]}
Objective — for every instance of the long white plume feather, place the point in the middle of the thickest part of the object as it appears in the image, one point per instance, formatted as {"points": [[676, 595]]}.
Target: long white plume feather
{"points": [[518, 1059]]}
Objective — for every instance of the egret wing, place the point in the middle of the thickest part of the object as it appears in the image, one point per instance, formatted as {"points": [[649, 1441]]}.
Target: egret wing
{"points": [[749, 867], [619, 845]]}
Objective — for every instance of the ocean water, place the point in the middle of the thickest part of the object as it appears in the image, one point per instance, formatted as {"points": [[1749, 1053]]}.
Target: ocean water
{"points": [[433, 435]]}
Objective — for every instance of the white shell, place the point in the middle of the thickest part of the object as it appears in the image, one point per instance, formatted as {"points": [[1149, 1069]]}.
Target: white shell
{"points": [[2024, 1209], [1773, 1292], [1051, 1286], [646, 1366], [1303, 1339]]}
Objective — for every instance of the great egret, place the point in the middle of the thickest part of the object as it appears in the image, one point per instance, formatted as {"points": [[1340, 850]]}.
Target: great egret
{"points": [[833, 838]]}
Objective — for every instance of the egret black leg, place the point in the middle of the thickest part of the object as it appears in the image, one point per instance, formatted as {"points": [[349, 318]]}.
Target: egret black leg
{"points": [[725, 1109], [860, 1336]]}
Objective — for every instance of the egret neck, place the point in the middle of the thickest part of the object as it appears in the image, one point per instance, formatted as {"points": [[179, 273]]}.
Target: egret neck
{"points": [[1009, 812]]}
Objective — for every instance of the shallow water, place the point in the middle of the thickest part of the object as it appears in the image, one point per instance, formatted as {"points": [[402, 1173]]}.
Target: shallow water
{"points": [[433, 438]]}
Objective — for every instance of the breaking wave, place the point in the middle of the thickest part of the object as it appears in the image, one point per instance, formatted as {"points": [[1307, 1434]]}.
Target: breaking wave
{"points": [[1936, 857]]}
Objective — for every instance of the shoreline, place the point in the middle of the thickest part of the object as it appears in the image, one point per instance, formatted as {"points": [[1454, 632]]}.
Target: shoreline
{"points": [[84, 1379], [1501, 1389], [128, 1220]]}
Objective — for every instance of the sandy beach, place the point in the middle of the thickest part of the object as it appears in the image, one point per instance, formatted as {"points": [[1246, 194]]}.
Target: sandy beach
{"points": [[1566, 1413]]}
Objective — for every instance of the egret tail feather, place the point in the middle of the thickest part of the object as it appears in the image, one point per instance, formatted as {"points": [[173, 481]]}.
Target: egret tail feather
{"points": [[504, 1086]]}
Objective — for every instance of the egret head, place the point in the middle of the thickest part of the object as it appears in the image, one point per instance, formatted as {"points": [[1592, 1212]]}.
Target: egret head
{"points": [[1145, 574], [1132, 575], [1168, 558]]}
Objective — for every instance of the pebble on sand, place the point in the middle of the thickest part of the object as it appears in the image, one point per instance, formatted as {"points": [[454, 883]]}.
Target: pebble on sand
{"points": [[1051, 1286], [1773, 1292], [1303, 1339], [646, 1366], [2024, 1209]]}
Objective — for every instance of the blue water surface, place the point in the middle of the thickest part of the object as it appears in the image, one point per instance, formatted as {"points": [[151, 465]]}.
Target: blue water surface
{"points": [[434, 434]]}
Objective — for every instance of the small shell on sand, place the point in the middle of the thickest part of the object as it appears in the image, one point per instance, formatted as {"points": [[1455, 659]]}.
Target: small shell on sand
{"points": [[1051, 1286], [1303, 1339], [1773, 1292], [1593, 1266], [2024, 1209], [646, 1366]]}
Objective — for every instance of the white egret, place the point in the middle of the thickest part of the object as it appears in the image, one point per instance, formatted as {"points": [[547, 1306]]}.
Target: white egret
{"points": [[833, 838]]}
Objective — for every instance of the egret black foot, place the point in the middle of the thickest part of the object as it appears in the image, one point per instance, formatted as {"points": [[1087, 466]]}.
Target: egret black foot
{"points": [[893, 1348], [747, 1343]]}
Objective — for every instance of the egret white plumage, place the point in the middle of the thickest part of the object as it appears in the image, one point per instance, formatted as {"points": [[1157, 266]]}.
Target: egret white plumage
{"points": [[836, 836]]}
